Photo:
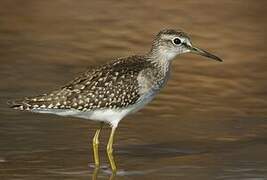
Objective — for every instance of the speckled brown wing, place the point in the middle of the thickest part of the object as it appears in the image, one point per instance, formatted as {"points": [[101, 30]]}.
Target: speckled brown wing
{"points": [[113, 85]]}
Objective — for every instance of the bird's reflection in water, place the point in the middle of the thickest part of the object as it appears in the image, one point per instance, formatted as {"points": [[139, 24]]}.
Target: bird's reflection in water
{"points": [[96, 172]]}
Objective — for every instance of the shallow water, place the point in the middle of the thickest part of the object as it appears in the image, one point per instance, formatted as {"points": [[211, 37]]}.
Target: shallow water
{"points": [[208, 123]]}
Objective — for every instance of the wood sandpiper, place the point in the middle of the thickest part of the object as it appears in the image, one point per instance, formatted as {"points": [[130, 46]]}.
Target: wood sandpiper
{"points": [[109, 92]]}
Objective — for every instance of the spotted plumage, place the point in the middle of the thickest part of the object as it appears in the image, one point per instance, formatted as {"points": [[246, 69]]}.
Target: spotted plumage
{"points": [[111, 86]]}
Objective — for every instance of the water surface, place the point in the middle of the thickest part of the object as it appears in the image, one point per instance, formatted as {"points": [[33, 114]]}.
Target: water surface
{"points": [[208, 123]]}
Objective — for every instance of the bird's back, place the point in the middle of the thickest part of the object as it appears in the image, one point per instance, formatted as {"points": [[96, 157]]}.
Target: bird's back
{"points": [[113, 86]]}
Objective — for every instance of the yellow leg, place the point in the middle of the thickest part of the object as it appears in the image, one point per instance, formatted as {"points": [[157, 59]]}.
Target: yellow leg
{"points": [[110, 150], [95, 173], [112, 176], [95, 145]]}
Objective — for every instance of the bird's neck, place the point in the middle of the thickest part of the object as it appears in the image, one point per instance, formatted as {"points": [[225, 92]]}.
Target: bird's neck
{"points": [[161, 59], [158, 52]]}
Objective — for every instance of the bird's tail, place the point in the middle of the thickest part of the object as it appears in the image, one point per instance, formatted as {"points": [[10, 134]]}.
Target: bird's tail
{"points": [[19, 104], [44, 101]]}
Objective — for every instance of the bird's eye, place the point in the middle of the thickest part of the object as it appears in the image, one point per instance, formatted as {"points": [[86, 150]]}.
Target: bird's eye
{"points": [[177, 41]]}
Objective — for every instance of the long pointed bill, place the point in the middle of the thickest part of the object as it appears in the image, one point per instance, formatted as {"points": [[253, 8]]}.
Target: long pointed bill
{"points": [[203, 53]]}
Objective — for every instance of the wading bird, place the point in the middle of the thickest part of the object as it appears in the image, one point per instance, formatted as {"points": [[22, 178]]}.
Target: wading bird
{"points": [[109, 92]]}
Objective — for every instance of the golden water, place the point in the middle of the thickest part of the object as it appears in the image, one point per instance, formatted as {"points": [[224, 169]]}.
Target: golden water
{"points": [[208, 123]]}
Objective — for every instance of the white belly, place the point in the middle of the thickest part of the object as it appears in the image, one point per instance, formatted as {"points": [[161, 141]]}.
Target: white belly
{"points": [[110, 116]]}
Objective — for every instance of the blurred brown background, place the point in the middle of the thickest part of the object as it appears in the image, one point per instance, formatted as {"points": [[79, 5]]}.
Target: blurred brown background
{"points": [[208, 123]]}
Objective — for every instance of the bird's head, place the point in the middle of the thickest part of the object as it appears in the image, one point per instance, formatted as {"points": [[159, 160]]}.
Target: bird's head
{"points": [[169, 43]]}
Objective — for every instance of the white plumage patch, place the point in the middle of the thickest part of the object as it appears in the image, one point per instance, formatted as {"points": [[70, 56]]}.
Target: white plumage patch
{"points": [[110, 116]]}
